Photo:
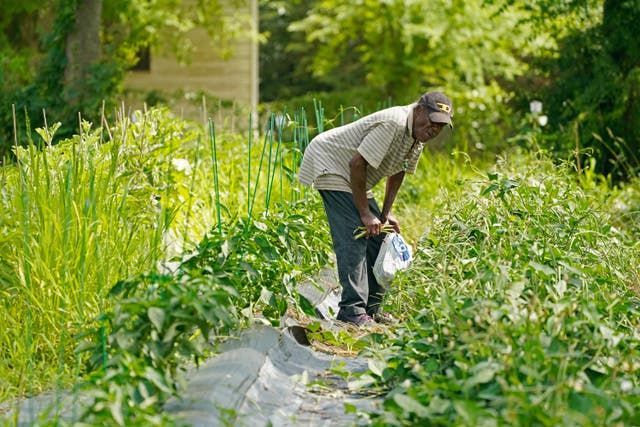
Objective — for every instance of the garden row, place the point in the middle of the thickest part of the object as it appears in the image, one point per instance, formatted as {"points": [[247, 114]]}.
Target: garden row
{"points": [[130, 251]]}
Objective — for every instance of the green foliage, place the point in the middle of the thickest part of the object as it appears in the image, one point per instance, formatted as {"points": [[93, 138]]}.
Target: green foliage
{"points": [[284, 57], [347, 340], [15, 17], [126, 27], [264, 258], [589, 83], [465, 49], [520, 310], [47, 91], [520, 306], [165, 24], [433, 44], [547, 12], [75, 218], [14, 69], [579, 57], [110, 204], [332, 108], [158, 322]]}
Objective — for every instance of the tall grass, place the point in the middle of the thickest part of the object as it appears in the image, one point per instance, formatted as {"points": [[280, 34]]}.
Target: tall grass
{"points": [[77, 217]]}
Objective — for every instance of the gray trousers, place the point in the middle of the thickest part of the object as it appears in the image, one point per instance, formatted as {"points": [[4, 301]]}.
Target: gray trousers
{"points": [[361, 292]]}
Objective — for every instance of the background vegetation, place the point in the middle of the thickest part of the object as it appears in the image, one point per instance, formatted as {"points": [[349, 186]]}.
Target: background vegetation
{"points": [[579, 57], [70, 56]]}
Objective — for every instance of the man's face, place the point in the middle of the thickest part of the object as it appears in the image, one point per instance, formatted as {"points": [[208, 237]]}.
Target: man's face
{"points": [[423, 128]]}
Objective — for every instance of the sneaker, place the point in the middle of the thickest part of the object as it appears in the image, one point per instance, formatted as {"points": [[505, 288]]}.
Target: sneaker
{"points": [[361, 319], [384, 317]]}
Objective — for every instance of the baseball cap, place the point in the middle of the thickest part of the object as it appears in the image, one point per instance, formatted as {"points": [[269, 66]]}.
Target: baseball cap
{"points": [[438, 105]]}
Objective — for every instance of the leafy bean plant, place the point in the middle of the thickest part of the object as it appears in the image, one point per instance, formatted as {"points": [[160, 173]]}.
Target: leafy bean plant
{"points": [[263, 258], [135, 351], [520, 310]]}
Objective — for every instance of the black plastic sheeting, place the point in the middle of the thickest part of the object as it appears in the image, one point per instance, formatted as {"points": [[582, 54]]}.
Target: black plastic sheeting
{"points": [[263, 377]]}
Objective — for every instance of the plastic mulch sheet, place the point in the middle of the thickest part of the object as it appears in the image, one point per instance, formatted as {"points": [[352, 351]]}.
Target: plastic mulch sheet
{"points": [[264, 379]]}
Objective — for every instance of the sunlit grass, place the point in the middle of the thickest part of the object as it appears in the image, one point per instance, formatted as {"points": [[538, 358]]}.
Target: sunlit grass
{"points": [[79, 216]]}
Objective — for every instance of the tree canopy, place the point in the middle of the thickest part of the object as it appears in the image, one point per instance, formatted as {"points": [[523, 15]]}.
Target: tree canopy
{"points": [[591, 81], [579, 57]]}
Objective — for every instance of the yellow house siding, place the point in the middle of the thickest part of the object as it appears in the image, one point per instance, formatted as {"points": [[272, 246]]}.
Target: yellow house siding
{"points": [[234, 79]]}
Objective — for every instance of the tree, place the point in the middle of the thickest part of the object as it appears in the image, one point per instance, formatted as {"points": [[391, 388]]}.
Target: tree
{"points": [[406, 45], [87, 46], [592, 80], [283, 57], [83, 47]]}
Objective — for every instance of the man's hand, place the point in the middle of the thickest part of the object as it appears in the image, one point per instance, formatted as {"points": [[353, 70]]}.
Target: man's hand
{"points": [[372, 223], [391, 220]]}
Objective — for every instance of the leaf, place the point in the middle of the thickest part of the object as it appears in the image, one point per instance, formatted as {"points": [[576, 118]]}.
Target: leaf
{"points": [[483, 375], [561, 288], [156, 315], [438, 405], [350, 409], [377, 366], [120, 287], [172, 332], [468, 410], [260, 226], [580, 403], [306, 305], [411, 405], [542, 268], [225, 248], [362, 382], [266, 296], [491, 187], [116, 410], [156, 378], [508, 184], [431, 365], [314, 326]]}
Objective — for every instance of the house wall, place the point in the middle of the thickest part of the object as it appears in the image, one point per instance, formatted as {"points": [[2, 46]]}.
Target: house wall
{"points": [[234, 79]]}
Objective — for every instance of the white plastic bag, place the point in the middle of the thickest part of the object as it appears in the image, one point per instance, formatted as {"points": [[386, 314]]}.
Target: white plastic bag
{"points": [[394, 255]]}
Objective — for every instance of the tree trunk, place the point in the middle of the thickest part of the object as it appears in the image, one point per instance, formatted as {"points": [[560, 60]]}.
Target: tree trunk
{"points": [[620, 22], [83, 48]]}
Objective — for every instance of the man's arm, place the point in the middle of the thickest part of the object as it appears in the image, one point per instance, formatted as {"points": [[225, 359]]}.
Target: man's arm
{"points": [[358, 167], [391, 190]]}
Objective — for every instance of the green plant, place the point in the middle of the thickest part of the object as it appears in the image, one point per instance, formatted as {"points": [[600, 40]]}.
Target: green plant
{"points": [[158, 322], [263, 258], [520, 310], [77, 217], [147, 326]]}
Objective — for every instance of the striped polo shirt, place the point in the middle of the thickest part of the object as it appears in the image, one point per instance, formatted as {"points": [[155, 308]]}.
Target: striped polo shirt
{"points": [[382, 138]]}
